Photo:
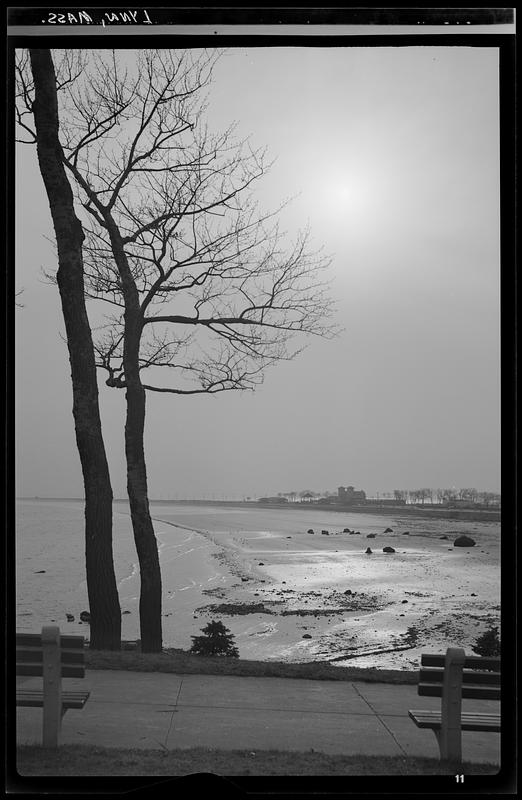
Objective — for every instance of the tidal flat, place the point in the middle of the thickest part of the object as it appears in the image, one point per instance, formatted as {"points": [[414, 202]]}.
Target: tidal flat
{"points": [[284, 593]]}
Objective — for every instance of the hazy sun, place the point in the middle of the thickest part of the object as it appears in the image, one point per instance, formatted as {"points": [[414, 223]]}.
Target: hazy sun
{"points": [[350, 196]]}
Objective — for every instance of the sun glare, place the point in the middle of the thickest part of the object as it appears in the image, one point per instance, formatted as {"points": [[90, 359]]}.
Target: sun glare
{"points": [[352, 197]]}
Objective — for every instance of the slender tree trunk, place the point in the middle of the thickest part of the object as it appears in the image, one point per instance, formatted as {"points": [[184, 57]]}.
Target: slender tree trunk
{"points": [[144, 536], [101, 582]]}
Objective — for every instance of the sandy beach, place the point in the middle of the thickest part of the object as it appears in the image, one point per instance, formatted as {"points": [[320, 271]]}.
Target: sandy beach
{"points": [[383, 608], [272, 583]]}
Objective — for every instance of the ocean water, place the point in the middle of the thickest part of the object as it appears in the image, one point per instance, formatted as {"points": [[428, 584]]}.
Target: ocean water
{"points": [[50, 565], [50, 559]]}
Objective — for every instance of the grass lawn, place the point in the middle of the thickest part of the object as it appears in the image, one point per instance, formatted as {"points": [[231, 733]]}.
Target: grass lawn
{"points": [[78, 760], [185, 663]]}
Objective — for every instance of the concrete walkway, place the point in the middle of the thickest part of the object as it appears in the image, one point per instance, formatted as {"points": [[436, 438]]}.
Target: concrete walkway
{"points": [[156, 710]]}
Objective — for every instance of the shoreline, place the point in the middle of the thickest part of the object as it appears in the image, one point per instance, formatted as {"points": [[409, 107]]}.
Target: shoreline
{"points": [[286, 596], [464, 514], [305, 599]]}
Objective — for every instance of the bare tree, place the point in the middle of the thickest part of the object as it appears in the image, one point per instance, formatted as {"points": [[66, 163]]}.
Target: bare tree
{"points": [[38, 101], [488, 498], [421, 494], [470, 494], [450, 494], [174, 224]]}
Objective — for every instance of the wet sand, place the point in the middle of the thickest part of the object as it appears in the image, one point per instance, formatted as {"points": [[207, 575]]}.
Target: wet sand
{"points": [[272, 583], [381, 609]]}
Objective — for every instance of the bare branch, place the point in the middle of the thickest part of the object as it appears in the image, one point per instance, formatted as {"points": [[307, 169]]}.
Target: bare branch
{"points": [[172, 221]]}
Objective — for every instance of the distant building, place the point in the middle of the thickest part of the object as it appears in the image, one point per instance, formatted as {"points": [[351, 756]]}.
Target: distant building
{"points": [[347, 494], [273, 500]]}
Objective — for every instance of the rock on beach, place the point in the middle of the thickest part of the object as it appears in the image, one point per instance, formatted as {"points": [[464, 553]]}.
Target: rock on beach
{"points": [[464, 541]]}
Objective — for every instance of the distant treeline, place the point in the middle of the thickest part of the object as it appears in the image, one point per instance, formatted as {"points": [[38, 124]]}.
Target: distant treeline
{"points": [[448, 498]]}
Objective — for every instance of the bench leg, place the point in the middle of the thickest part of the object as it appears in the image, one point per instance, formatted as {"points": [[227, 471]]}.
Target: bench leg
{"points": [[450, 735], [52, 686], [52, 720], [450, 744]]}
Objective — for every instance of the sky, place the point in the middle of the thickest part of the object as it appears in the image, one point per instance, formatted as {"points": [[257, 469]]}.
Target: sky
{"points": [[392, 158]]}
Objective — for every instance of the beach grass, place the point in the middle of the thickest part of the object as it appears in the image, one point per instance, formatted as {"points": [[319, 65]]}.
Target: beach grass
{"points": [[185, 663], [70, 760]]}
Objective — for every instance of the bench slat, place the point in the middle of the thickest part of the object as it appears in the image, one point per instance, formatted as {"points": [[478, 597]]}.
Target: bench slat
{"points": [[471, 692], [31, 698], [34, 655], [36, 670], [469, 677], [67, 642], [471, 662], [470, 721]]}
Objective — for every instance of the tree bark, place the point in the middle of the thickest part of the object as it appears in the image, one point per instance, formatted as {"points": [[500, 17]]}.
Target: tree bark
{"points": [[104, 604], [144, 536], [137, 490]]}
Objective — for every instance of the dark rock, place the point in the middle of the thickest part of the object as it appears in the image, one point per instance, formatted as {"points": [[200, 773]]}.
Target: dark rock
{"points": [[368, 550], [357, 533], [443, 537], [307, 636], [346, 530], [406, 533], [288, 537], [404, 601], [325, 533], [261, 564], [388, 530], [85, 616], [371, 536], [310, 530], [125, 612], [473, 594], [70, 617], [464, 541], [244, 580], [348, 591], [38, 572], [388, 550]]}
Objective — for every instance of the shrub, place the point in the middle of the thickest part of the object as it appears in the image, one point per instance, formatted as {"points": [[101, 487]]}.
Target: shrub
{"points": [[217, 641], [488, 644]]}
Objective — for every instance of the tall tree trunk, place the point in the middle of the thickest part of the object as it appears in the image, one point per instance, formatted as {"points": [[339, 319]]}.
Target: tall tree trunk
{"points": [[101, 582], [144, 536]]}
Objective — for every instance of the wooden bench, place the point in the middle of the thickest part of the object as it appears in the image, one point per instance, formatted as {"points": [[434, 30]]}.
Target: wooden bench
{"points": [[453, 677], [52, 657]]}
